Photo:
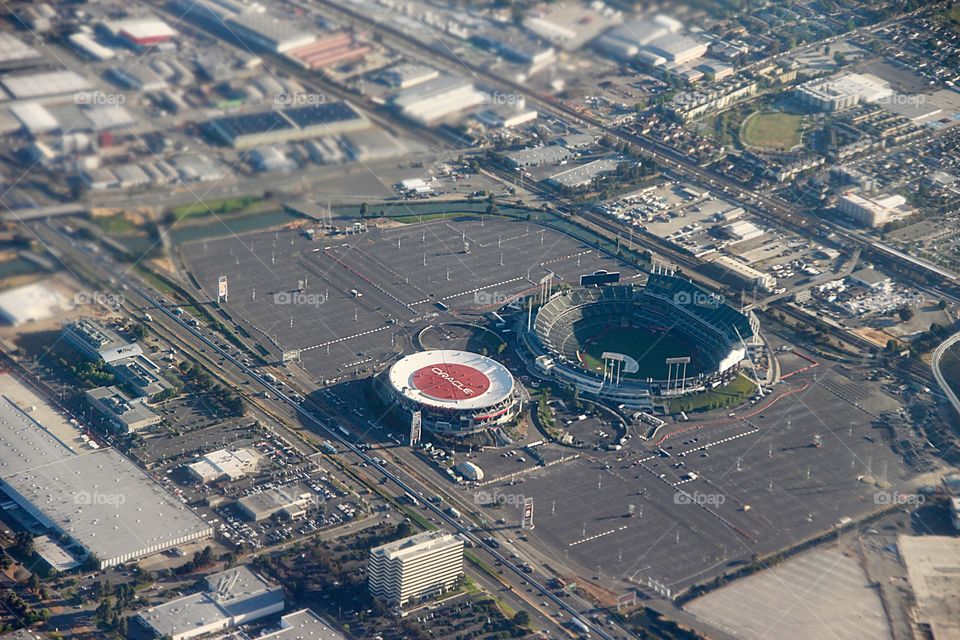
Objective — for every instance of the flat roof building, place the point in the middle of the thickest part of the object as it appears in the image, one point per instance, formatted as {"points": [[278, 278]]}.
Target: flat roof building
{"points": [[30, 303], [745, 272], [142, 374], [263, 31], [96, 501], [98, 342], [583, 175], [224, 464], [873, 211], [406, 75], [292, 501], [303, 625], [537, 156], [125, 414], [287, 125], [843, 92], [230, 598], [437, 99], [415, 568]]}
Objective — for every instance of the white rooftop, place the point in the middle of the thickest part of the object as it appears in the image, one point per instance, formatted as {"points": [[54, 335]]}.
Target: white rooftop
{"points": [[491, 382], [31, 303]]}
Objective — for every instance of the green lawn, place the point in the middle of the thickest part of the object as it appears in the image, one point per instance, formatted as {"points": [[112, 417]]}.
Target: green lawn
{"points": [[648, 348], [219, 207], [734, 393], [116, 225], [773, 130]]}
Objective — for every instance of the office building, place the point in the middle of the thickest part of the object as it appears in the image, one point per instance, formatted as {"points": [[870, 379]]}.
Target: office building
{"points": [[415, 568]]}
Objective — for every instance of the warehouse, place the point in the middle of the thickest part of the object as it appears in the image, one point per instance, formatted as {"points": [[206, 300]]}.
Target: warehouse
{"points": [[843, 92], [537, 156], [330, 50], [47, 84], [262, 31], [231, 598], [14, 53], [437, 99], [298, 123], [30, 303], [406, 75], [745, 272], [97, 501], [584, 174], [140, 33]]}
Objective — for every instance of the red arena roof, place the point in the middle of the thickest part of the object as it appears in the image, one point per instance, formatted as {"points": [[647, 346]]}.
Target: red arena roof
{"points": [[450, 381]]}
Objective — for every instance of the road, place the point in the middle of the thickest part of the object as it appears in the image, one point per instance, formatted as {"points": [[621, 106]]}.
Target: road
{"points": [[938, 373]]}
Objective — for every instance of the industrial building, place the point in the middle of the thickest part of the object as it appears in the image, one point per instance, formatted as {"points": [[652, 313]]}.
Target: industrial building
{"points": [[14, 53], [655, 41], [98, 502], [406, 75], [123, 413], [98, 342], [263, 31], [506, 116], [843, 92], [583, 175], [291, 501], [230, 598], [538, 156], [30, 303], [140, 33], [415, 568], [335, 48], [45, 85], [437, 99], [286, 125], [873, 211], [745, 272], [229, 464]]}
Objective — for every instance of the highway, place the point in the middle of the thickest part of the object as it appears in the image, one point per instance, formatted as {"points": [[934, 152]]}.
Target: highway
{"points": [[184, 333]]}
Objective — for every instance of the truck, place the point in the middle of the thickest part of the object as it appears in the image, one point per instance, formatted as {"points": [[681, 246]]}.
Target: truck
{"points": [[453, 513]]}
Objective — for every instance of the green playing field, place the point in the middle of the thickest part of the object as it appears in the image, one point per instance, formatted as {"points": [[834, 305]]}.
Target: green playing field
{"points": [[647, 346]]}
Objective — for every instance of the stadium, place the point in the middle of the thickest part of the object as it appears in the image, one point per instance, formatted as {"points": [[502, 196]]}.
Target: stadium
{"points": [[455, 393], [640, 346]]}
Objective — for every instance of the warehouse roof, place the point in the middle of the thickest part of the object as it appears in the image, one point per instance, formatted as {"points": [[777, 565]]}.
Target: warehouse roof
{"points": [[47, 83], [30, 303]]}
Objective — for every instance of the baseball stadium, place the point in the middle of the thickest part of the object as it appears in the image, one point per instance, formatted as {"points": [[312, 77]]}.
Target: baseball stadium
{"points": [[640, 345], [456, 393]]}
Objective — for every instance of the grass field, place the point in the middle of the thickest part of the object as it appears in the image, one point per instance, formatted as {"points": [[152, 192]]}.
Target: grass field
{"points": [[648, 348], [773, 130], [218, 207], [734, 393]]}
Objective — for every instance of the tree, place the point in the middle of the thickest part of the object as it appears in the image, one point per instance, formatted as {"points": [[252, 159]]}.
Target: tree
{"points": [[24, 542], [905, 313], [363, 210], [521, 618]]}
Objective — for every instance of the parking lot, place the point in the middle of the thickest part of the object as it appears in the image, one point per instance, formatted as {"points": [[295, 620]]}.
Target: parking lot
{"points": [[708, 496], [350, 302]]}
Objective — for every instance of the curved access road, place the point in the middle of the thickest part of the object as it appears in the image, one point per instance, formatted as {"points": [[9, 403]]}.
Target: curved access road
{"points": [[938, 374]]}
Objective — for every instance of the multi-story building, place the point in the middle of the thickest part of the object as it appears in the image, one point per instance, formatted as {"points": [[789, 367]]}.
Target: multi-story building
{"points": [[415, 568]]}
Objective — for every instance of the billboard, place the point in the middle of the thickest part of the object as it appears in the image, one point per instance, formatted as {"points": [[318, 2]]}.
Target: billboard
{"points": [[598, 278]]}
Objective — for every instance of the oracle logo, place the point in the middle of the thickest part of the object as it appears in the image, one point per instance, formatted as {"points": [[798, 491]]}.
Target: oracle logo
{"points": [[449, 378]]}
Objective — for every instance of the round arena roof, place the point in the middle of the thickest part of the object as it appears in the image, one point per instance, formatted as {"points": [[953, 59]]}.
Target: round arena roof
{"points": [[451, 379]]}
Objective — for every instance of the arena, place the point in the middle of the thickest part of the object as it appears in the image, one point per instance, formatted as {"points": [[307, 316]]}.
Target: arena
{"points": [[456, 393], [640, 345]]}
